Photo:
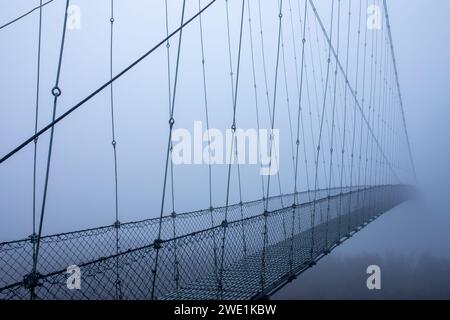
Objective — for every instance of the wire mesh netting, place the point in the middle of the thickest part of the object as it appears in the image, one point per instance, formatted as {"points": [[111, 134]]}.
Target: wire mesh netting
{"points": [[246, 256]]}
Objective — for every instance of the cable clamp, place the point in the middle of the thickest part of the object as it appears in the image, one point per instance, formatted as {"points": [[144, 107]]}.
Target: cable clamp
{"points": [[56, 91], [31, 280], [33, 238], [157, 244], [224, 223]]}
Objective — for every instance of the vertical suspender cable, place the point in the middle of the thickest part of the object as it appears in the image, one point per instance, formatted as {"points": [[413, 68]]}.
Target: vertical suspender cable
{"points": [[402, 109], [252, 51], [345, 121], [373, 87], [114, 145], [300, 101], [333, 120], [56, 92], [374, 162], [36, 119], [296, 210], [320, 137], [205, 98], [300, 80], [233, 129], [176, 273], [263, 271], [355, 118], [157, 242], [263, 55], [363, 100], [236, 155]]}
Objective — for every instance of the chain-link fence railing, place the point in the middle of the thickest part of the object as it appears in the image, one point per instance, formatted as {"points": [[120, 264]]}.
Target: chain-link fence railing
{"points": [[199, 255]]}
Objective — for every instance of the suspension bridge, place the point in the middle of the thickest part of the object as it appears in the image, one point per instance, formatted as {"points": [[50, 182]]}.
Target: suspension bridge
{"points": [[325, 71]]}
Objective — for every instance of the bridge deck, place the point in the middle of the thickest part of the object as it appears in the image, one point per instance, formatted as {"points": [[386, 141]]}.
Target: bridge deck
{"points": [[243, 279], [244, 259]]}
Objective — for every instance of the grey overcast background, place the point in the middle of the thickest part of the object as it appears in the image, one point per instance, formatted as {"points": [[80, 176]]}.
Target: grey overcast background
{"points": [[410, 243]]}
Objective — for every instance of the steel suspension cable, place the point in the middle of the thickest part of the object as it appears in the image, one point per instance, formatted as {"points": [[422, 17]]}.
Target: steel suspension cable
{"points": [[332, 102], [349, 86], [233, 129], [252, 53], [374, 164], [288, 103], [370, 106], [263, 55], [176, 272], [39, 7], [352, 157], [36, 119], [402, 109], [363, 101], [345, 120], [299, 91], [114, 146], [263, 273], [372, 97], [236, 155], [205, 99], [333, 118], [157, 242], [320, 137], [382, 130], [63, 116], [56, 92], [280, 16], [317, 103]]}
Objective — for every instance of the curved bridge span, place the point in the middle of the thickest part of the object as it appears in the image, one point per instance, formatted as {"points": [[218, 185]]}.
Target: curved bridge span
{"points": [[315, 105], [249, 256]]}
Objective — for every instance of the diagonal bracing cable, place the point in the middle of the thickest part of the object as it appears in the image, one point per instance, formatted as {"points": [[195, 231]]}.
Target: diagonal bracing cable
{"points": [[39, 7], [176, 272], [264, 64], [233, 129], [313, 213], [236, 154], [351, 89], [205, 99], [263, 262], [63, 116], [56, 92], [394, 62], [299, 121], [36, 119], [157, 242]]}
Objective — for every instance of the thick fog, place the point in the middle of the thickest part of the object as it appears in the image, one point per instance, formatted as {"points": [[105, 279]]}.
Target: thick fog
{"points": [[411, 241]]}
